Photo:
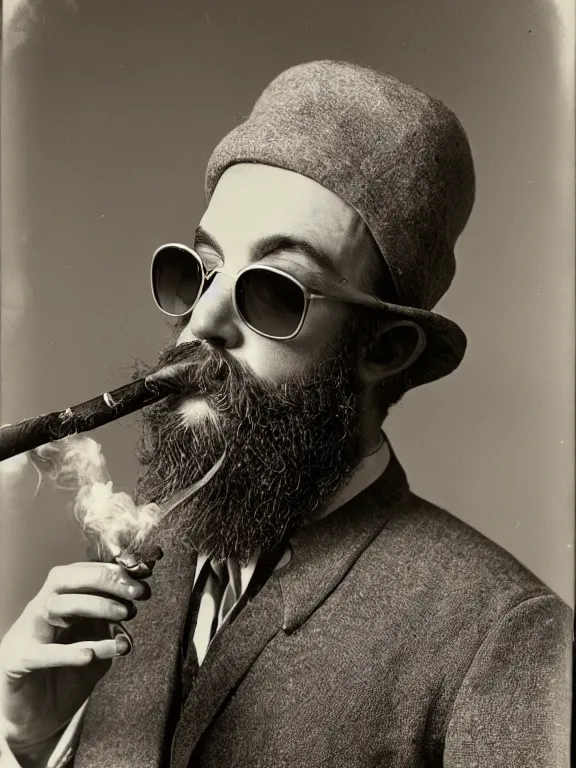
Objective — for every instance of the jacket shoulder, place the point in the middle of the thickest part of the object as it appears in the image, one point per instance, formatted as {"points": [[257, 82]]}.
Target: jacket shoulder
{"points": [[463, 564]]}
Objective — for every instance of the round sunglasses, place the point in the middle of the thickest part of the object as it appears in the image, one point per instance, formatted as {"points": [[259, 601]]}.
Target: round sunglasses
{"points": [[268, 300]]}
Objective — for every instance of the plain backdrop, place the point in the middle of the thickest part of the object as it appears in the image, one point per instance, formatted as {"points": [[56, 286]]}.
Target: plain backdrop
{"points": [[109, 113]]}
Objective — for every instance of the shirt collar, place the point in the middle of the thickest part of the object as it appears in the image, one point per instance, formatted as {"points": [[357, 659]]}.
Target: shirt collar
{"points": [[370, 468]]}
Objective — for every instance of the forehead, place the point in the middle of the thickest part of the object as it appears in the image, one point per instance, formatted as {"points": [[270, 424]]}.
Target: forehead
{"points": [[254, 201]]}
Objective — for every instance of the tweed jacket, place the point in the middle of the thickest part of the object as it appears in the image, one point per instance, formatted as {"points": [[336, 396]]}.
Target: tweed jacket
{"points": [[397, 637]]}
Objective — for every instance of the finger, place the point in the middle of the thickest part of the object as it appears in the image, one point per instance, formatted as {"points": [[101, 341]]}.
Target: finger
{"points": [[97, 578], [107, 649], [65, 607], [76, 655], [146, 591]]}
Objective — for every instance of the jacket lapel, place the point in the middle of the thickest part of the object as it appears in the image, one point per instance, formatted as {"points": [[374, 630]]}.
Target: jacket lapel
{"points": [[322, 554], [230, 656]]}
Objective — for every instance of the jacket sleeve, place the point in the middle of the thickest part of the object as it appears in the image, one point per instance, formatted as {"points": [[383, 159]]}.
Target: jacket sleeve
{"points": [[62, 754], [513, 707]]}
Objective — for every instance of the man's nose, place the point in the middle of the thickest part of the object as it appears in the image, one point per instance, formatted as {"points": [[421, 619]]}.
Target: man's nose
{"points": [[214, 318]]}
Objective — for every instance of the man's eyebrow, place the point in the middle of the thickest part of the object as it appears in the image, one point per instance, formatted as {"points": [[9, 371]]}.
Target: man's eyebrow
{"points": [[203, 237], [268, 246]]}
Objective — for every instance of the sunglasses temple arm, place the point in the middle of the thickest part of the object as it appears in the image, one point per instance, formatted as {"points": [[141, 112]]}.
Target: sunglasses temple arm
{"points": [[352, 296]]}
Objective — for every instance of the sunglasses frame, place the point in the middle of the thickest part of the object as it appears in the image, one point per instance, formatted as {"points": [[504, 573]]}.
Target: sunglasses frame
{"points": [[208, 274], [339, 293]]}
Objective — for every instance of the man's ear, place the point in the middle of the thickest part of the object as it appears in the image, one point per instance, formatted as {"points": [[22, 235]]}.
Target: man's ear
{"points": [[397, 346]]}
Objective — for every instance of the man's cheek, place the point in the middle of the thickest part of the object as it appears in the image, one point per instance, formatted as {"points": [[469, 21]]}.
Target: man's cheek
{"points": [[273, 362]]}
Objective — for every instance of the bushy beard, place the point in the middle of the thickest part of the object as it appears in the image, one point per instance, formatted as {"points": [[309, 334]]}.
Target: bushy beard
{"points": [[289, 449]]}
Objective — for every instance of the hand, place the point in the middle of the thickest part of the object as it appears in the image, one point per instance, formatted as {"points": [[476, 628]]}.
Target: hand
{"points": [[60, 647]]}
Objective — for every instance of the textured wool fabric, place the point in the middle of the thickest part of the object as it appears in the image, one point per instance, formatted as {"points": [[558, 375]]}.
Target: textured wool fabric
{"points": [[396, 155], [397, 636]]}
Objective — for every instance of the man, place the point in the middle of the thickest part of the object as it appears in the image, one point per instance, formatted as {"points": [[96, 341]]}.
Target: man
{"points": [[309, 610]]}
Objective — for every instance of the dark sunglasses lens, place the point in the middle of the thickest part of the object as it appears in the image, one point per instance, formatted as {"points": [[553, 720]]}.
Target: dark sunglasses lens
{"points": [[176, 279], [269, 302]]}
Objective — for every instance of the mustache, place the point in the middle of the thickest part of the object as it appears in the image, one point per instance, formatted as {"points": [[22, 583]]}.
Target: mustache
{"points": [[199, 368], [195, 361], [194, 367], [190, 351]]}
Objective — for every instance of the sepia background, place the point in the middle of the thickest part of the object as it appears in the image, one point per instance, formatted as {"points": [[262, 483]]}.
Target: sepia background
{"points": [[109, 113]]}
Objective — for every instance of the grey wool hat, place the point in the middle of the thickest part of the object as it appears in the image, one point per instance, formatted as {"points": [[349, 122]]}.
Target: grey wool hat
{"points": [[398, 156]]}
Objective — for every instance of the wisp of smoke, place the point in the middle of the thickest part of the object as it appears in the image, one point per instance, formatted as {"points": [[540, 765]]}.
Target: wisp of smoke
{"points": [[109, 519]]}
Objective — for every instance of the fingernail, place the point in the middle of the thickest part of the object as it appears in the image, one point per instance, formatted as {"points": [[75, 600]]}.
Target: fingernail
{"points": [[121, 645], [120, 612]]}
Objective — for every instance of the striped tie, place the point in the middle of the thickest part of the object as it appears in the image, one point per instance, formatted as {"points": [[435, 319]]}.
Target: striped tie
{"points": [[225, 583]]}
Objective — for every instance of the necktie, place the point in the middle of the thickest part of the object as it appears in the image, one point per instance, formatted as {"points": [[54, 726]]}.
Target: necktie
{"points": [[223, 588], [220, 591]]}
